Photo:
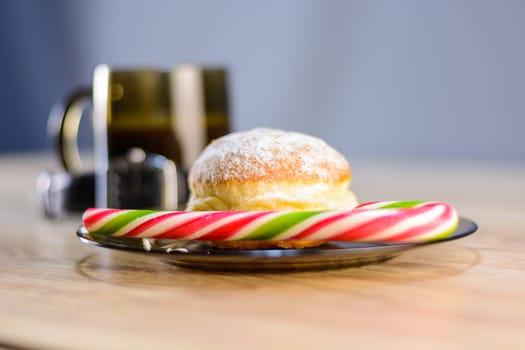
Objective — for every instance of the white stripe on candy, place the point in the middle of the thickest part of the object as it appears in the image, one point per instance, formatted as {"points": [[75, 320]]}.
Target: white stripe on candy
{"points": [[430, 215], [221, 222], [256, 223]]}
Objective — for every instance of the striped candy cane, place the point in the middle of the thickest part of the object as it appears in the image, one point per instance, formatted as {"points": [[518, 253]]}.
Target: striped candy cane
{"points": [[368, 222]]}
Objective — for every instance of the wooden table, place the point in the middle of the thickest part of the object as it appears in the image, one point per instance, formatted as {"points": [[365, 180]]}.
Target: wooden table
{"points": [[56, 292]]}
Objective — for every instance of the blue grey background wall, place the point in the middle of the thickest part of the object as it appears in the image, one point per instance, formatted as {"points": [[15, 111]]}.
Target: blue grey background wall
{"points": [[435, 79]]}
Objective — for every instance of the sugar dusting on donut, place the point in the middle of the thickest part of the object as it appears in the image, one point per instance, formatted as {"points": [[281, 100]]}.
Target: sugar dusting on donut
{"points": [[269, 154]]}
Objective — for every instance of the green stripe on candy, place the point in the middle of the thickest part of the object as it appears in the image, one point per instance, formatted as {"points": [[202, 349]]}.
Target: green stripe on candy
{"points": [[446, 233], [279, 224], [402, 205], [121, 220]]}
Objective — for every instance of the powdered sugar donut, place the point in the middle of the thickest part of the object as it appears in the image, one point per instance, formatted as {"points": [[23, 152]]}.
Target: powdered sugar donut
{"points": [[270, 169]]}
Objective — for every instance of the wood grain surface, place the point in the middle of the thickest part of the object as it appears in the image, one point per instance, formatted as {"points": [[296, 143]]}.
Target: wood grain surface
{"points": [[57, 293]]}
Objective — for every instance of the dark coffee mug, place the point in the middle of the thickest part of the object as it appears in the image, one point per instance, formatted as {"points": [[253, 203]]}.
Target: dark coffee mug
{"points": [[169, 113]]}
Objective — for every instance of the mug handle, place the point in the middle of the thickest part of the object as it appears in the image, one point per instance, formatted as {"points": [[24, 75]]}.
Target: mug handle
{"points": [[63, 124]]}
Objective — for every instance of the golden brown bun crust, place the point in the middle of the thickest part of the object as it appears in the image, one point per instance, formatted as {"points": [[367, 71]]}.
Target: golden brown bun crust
{"points": [[270, 156], [268, 169]]}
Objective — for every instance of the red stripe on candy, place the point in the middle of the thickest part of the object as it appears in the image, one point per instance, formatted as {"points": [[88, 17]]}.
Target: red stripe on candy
{"points": [[319, 225], [421, 230], [228, 230], [151, 222], [365, 204], [90, 220], [193, 225], [391, 217]]}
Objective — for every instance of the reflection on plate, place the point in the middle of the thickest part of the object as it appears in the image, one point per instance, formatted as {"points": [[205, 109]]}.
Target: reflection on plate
{"points": [[204, 256]]}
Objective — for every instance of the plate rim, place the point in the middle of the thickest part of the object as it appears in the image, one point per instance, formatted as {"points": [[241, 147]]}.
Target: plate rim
{"points": [[87, 238]]}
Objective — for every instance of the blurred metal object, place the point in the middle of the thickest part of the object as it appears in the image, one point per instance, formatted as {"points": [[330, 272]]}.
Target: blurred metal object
{"points": [[138, 180], [142, 180], [61, 193]]}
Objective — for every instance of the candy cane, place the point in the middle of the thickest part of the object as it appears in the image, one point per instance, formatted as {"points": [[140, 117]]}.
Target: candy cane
{"points": [[368, 222]]}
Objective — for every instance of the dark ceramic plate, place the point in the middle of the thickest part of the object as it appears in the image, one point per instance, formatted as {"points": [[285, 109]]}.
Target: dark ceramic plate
{"points": [[202, 255]]}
